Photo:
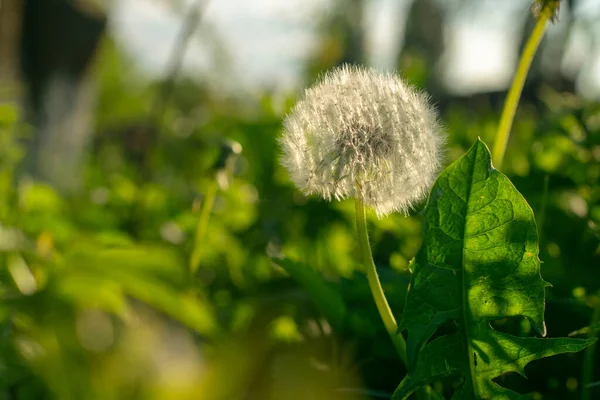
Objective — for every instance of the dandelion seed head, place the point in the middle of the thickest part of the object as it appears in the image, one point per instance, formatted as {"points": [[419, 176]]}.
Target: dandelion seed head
{"points": [[361, 133]]}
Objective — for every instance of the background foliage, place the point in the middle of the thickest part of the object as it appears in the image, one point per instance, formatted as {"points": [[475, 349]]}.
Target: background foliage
{"points": [[97, 298]]}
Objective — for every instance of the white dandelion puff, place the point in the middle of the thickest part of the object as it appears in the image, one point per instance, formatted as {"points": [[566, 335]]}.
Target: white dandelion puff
{"points": [[362, 133]]}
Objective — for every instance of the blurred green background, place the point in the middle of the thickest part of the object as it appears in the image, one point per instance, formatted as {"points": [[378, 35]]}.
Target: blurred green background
{"points": [[122, 121]]}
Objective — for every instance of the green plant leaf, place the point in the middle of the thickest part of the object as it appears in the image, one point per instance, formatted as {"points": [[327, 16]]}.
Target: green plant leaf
{"points": [[478, 263], [100, 277]]}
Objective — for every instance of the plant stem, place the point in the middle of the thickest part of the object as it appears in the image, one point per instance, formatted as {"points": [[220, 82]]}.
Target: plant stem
{"points": [[382, 305], [516, 88], [158, 107], [175, 61], [207, 205]]}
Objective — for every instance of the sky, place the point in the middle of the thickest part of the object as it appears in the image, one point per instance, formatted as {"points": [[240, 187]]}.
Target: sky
{"points": [[268, 40]]}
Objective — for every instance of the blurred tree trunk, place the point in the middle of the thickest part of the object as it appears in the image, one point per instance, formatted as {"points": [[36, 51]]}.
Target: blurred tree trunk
{"points": [[352, 30], [423, 44], [342, 34], [58, 41], [10, 30]]}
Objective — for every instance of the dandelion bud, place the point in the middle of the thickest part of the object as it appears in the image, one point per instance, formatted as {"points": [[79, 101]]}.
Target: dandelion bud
{"points": [[361, 133], [550, 6]]}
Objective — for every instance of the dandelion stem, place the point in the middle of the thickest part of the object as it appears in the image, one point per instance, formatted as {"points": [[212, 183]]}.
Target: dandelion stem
{"points": [[202, 226], [516, 88], [382, 305]]}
